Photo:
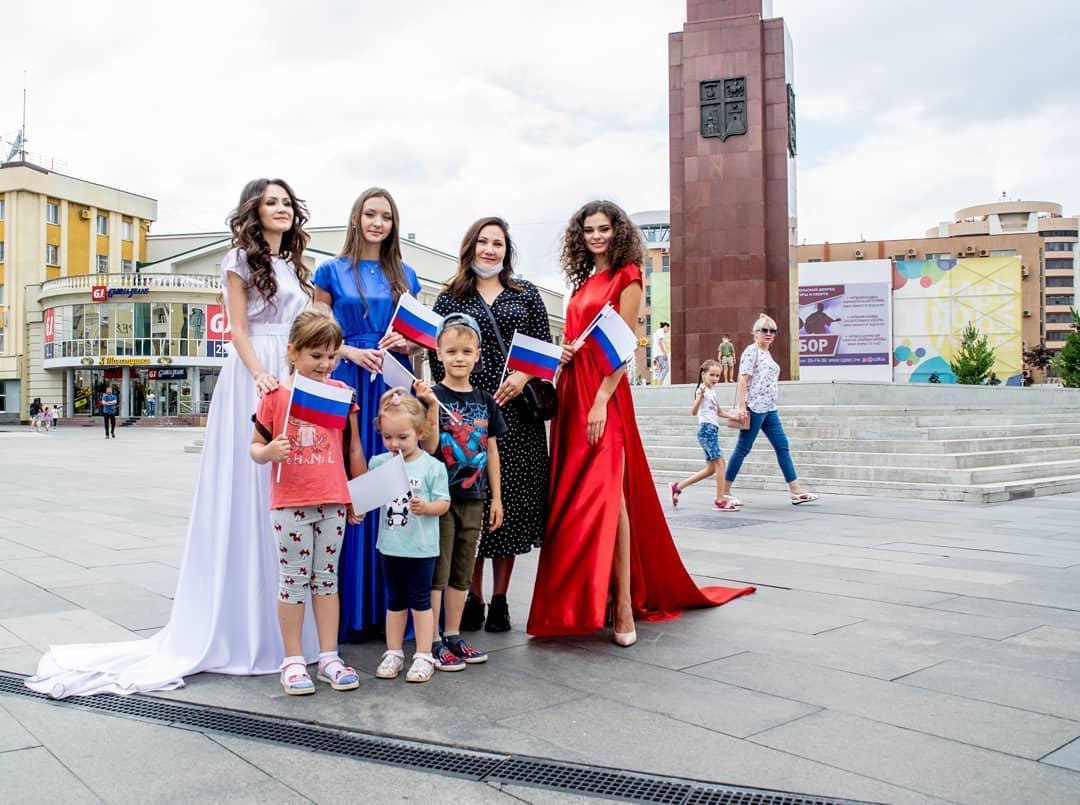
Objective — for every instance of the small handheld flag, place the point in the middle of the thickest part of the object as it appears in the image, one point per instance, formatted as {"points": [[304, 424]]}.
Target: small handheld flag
{"points": [[615, 341], [320, 403], [317, 403], [416, 322], [379, 486], [395, 375], [533, 356]]}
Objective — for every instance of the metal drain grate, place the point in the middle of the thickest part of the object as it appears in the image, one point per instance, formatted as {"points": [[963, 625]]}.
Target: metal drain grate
{"points": [[477, 765]]}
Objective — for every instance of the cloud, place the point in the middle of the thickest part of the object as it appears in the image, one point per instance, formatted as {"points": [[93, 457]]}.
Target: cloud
{"points": [[528, 110]]}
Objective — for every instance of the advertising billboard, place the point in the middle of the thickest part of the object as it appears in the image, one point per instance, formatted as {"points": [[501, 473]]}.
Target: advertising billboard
{"points": [[845, 320], [933, 301]]}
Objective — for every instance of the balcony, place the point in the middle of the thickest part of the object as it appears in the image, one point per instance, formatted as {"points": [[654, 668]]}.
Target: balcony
{"points": [[132, 280]]}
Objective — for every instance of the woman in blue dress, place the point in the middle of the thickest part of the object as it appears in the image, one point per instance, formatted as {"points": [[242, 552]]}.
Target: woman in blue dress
{"points": [[363, 286]]}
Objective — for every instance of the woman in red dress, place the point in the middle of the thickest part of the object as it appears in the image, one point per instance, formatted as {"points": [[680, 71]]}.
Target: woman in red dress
{"points": [[607, 539]]}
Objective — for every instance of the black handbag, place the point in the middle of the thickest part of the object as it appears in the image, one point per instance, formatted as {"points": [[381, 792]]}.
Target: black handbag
{"points": [[538, 401]]}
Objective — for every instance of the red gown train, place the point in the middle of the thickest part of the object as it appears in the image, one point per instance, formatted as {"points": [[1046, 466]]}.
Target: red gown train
{"points": [[575, 569]]}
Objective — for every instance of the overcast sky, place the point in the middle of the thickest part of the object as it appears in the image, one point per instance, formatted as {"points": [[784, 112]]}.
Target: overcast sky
{"points": [[907, 111]]}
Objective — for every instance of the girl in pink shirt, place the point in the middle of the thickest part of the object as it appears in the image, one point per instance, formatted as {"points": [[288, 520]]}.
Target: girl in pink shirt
{"points": [[309, 502]]}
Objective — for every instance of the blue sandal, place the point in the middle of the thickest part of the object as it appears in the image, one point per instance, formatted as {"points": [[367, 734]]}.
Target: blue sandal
{"points": [[294, 677]]}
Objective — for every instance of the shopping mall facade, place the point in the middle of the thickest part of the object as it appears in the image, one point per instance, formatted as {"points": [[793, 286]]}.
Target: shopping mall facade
{"points": [[89, 299]]}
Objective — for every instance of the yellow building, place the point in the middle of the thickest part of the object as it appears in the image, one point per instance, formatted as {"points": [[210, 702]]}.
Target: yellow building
{"points": [[55, 227]]}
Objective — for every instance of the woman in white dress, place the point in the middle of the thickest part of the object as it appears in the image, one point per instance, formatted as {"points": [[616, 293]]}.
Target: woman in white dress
{"points": [[224, 614]]}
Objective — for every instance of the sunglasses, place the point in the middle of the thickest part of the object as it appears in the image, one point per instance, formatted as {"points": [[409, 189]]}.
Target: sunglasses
{"points": [[767, 330]]}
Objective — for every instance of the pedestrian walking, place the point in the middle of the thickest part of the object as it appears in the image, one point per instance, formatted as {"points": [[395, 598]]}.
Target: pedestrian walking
{"points": [[707, 409], [756, 396]]}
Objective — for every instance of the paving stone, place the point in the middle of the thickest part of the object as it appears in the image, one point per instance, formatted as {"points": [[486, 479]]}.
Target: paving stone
{"points": [[67, 626], [992, 726], [327, 779], [1068, 757], [132, 607], [35, 775], [995, 683], [152, 576], [1054, 637], [47, 571], [22, 660], [926, 763], [589, 727], [12, 734], [993, 608], [156, 763], [731, 710]]}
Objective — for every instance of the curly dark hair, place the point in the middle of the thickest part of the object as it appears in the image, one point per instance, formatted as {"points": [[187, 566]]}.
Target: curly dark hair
{"points": [[463, 283], [247, 234], [626, 246]]}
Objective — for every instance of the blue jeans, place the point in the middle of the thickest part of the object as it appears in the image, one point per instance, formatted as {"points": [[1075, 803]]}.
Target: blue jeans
{"points": [[769, 424]]}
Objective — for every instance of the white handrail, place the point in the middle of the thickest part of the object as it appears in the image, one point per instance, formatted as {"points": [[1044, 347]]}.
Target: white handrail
{"points": [[80, 281]]}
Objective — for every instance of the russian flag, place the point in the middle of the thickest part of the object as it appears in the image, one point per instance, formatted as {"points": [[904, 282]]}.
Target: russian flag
{"points": [[416, 322], [533, 356], [615, 340], [320, 403]]}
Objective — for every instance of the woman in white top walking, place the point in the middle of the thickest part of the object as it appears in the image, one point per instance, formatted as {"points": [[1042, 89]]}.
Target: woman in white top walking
{"points": [[708, 411], [224, 614], [759, 386]]}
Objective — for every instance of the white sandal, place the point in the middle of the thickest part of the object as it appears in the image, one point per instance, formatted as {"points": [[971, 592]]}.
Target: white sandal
{"points": [[803, 497], [422, 668], [390, 667]]}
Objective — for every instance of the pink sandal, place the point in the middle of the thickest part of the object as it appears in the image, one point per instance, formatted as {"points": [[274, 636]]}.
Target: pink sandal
{"points": [[675, 492]]}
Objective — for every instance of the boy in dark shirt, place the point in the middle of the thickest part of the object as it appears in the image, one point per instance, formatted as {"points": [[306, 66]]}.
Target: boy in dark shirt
{"points": [[467, 445]]}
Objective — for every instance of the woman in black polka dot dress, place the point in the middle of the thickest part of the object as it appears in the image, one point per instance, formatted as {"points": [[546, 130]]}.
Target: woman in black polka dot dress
{"points": [[485, 281]]}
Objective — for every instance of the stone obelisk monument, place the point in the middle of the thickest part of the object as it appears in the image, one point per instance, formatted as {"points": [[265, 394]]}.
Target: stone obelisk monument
{"points": [[733, 219]]}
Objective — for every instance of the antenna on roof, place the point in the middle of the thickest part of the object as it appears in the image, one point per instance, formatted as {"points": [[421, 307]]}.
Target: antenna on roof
{"points": [[18, 152], [18, 145]]}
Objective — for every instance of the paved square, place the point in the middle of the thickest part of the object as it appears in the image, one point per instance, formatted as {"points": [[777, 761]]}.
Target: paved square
{"points": [[896, 651]]}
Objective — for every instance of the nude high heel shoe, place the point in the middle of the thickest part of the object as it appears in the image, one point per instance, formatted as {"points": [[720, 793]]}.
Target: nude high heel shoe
{"points": [[624, 639]]}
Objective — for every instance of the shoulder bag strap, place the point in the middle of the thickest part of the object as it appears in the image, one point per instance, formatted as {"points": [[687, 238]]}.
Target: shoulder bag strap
{"points": [[494, 325]]}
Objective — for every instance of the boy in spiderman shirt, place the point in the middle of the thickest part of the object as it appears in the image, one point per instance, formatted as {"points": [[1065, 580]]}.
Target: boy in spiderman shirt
{"points": [[468, 447]]}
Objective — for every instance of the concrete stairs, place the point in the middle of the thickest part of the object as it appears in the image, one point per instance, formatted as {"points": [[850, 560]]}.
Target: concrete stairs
{"points": [[981, 452], [196, 445]]}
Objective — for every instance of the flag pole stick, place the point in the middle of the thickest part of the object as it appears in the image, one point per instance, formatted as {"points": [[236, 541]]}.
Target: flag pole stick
{"points": [[389, 326], [592, 326], [285, 426]]}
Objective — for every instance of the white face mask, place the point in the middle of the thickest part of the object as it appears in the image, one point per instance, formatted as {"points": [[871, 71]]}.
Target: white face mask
{"points": [[486, 273]]}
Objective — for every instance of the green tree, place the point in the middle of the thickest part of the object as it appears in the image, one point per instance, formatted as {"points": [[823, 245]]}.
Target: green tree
{"points": [[1067, 362], [974, 361]]}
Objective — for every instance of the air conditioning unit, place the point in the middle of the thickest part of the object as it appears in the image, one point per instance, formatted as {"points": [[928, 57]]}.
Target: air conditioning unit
{"points": [[911, 253], [1025, 271], [858, 254], [1027, 314], [969, 250], [983, 253], [84, 214]]}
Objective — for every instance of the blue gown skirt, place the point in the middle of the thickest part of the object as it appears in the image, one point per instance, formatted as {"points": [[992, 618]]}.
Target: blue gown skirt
{"points": [[360, 582]]}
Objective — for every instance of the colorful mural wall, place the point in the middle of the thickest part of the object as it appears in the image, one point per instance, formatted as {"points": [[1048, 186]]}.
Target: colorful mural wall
{"points": [[933, 300]]}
